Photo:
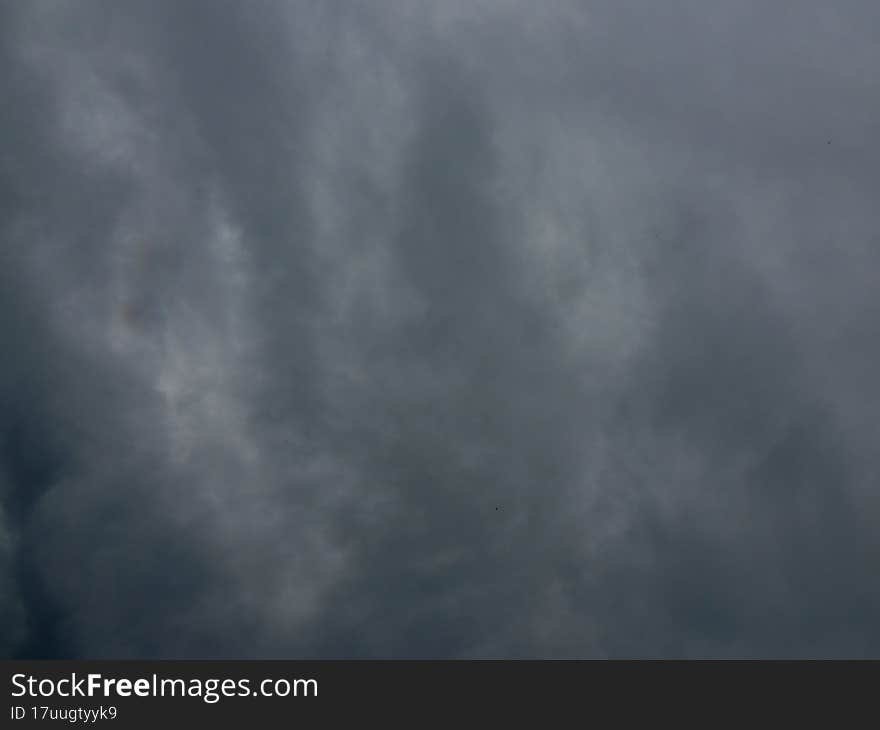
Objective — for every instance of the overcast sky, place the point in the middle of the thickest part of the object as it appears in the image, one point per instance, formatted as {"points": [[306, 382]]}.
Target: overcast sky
{"points": [[439, 329]]}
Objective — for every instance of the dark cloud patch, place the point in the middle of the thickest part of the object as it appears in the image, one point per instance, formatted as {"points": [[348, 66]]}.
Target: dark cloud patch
{"points": [[34, 456], [450, 454]]}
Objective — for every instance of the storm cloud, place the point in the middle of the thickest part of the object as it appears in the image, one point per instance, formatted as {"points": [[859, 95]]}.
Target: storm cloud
{"points": [[439, 329]]}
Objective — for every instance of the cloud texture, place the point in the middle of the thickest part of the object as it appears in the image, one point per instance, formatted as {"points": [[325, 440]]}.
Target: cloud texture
{"points": [[439, 329]]}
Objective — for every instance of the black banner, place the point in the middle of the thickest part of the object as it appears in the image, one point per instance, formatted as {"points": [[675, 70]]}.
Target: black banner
{"points": [[196, 693]]}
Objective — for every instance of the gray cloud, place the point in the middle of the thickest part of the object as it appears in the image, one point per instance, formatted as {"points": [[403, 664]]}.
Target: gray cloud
{"points": [[460, 329]]}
